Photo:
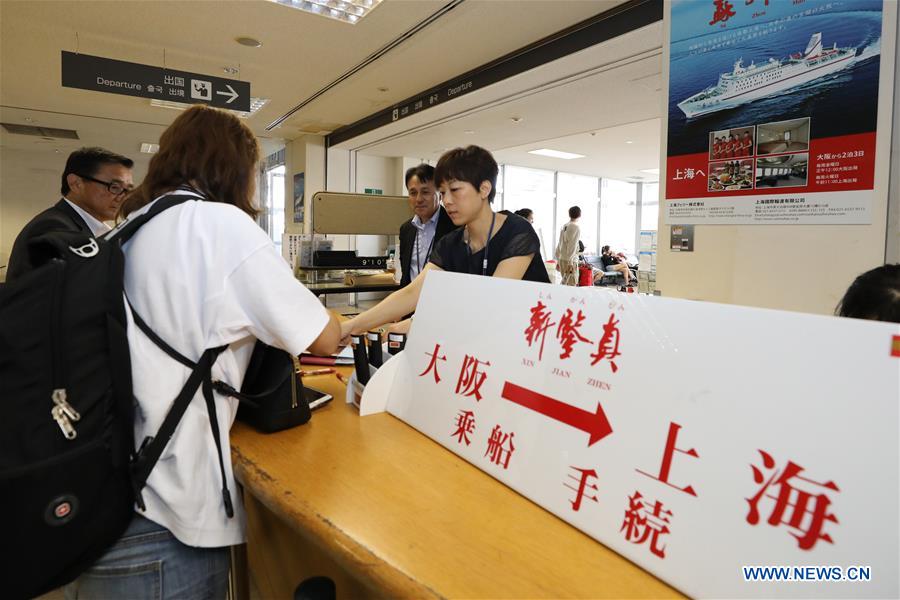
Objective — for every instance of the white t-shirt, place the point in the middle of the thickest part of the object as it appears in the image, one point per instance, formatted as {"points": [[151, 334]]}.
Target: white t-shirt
{"points": [[203, 274]]}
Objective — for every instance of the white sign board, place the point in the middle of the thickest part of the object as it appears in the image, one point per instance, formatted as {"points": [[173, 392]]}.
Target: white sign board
{"points": [[698, 440]]}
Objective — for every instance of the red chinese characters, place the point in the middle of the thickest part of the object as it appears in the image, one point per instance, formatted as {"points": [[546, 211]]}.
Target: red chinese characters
{"points": [[465, 426], [470, 378], [644, 522], [584, 487], [608, 346], [724, 11], [538, 326], [666, 467], [500, 447], [800, 503], [568, 333], [432, 366]]}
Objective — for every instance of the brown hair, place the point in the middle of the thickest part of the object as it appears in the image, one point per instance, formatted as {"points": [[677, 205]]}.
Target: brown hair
{"points": [[209, 149]]}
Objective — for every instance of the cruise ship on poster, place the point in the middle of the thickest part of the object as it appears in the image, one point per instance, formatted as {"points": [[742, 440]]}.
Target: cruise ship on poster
{"points": [[745, 84]]}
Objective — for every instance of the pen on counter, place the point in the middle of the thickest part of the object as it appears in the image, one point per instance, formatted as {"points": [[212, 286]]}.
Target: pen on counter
{"points": [[316, 372], [342, 379]]}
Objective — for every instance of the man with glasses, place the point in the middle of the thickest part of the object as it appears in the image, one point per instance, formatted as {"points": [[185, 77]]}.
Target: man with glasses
{"points": [[430, 223], [94, 183]]}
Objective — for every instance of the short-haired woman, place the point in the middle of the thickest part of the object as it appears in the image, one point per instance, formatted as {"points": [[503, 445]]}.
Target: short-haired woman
{"points": [[202, 274], [495, 244]]}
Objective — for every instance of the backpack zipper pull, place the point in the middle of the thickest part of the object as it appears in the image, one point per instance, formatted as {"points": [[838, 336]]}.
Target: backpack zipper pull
{"points": [[59, 399], [63, 421], [63, 413]]}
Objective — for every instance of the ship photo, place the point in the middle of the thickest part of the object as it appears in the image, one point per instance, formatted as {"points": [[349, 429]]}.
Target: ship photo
{"points": [[775, 76]]}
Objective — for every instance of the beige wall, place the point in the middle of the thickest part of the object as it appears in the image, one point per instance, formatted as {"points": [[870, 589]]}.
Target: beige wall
{"points": [[25, 190], [791, 267]]}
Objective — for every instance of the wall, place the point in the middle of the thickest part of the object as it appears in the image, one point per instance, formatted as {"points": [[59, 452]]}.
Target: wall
{"points": [[791, 267], [380, 173], [25, 190]]}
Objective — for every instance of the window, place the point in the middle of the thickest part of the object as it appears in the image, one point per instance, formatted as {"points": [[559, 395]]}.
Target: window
{"points": [[618, 201], [650, 207], [580, 191], [532, 188], [275, 203]]}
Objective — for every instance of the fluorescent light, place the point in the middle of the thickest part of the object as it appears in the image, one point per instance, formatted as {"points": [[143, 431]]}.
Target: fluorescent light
{"points": [[255, 105], [348, 11], [147, 148], [651, 171], [555, 154]]}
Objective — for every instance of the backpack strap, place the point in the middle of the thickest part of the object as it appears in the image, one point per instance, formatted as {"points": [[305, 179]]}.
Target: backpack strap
{"points": [[126, 229], [152, 447]]}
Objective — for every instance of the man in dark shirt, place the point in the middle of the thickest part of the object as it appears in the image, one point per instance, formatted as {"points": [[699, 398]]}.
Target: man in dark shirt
{"points": [[94, 184], [419, 235]]}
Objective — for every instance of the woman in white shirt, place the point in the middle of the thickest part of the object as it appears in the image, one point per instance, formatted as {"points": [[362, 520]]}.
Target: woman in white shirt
{"points": [[202, 274]]}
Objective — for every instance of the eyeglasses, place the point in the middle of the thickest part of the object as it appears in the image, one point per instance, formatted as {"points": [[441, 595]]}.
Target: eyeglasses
{"points": [[115, 188]]}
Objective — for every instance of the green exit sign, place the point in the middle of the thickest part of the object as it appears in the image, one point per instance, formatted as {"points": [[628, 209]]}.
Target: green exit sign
{"points": [[375, 191]]}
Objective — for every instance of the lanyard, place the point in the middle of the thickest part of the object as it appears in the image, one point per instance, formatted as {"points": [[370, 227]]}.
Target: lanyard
{"points": [[487, 243], [419, 249]]}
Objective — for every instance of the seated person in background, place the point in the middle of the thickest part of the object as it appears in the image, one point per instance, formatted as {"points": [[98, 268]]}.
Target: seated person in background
{"points": [[874, 295], [615, 262], [497, 244]]}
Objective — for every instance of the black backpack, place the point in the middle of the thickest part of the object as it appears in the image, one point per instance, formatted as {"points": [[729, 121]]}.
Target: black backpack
{"points": [[69, 476]]}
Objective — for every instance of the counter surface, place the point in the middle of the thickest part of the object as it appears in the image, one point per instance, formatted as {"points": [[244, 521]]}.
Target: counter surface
{"points": [[408, 518]]}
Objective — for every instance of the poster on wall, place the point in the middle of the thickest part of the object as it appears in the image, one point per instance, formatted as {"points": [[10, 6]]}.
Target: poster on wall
{"points": [[299, 184], [772, 111]]}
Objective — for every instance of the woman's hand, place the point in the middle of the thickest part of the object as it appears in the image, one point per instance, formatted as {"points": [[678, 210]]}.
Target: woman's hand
{"points": [[401, 327]]}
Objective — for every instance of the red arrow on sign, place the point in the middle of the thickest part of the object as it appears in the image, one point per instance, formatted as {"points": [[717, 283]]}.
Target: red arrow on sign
{"points": [[595, 423]]}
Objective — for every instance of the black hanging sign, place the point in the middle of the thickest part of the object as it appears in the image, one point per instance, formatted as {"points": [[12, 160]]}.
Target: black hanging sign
{"points": [[99, 74]]}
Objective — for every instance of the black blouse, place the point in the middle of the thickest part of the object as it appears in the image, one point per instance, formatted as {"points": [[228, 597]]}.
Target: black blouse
{"points": [[516, 237]]}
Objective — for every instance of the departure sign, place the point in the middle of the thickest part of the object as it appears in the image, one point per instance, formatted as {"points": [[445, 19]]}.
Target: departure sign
{"points": [[99, 74]]}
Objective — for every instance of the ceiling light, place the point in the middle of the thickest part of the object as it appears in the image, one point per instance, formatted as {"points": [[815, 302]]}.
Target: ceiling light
{"points": [[348, 11], [148, 148], [469, 131], [516, 119], [255, 105], [651, 171], [230, 70], [248, 41], [628, 142], [556, 154]]}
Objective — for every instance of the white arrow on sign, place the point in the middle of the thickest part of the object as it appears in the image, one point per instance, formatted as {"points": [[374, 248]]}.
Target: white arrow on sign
{"points": [[231, 93]]}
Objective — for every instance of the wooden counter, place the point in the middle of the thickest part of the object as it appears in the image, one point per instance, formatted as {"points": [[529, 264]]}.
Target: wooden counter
{"points": [[387, 512]]}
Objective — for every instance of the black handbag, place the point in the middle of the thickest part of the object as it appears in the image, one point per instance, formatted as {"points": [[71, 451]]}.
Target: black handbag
{"points": [[271, 397]]}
